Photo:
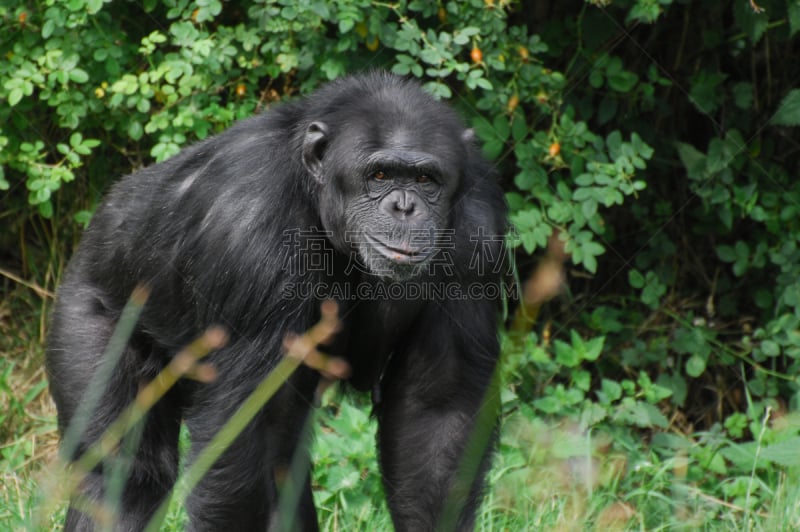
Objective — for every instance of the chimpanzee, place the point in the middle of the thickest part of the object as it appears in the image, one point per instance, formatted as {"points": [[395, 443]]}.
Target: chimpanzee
{"points": [[369, 192]]}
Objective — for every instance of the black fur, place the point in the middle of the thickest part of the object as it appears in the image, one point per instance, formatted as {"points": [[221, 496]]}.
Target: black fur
{"points": [[207, 232]]}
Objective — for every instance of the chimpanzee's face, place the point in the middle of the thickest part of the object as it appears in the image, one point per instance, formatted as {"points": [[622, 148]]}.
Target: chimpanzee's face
{"points": [[390, 192]]}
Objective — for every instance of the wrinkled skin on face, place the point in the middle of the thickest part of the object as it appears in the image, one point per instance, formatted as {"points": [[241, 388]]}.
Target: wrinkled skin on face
{"points": [[391, 198]]}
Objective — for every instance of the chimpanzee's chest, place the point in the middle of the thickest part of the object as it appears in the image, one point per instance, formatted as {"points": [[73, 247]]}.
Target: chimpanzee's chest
{"points": [[373, 327]]}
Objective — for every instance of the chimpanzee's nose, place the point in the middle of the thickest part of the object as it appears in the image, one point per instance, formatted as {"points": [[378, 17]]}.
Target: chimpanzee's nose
{"points": [[402, 205]]}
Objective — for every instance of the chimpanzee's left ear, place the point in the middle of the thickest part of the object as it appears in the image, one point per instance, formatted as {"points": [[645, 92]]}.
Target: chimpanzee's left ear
{"points": [[314, 148]]}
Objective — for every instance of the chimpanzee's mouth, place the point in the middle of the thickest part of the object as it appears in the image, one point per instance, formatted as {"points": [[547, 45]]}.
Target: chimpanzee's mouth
{"points": [[402, 253]]}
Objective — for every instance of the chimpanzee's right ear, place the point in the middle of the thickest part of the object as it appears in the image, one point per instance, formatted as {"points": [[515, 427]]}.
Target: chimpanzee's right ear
{"points": [[314, 143]]}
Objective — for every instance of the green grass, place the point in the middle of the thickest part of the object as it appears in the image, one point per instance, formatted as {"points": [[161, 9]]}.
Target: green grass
{"points": [[548, 474]]}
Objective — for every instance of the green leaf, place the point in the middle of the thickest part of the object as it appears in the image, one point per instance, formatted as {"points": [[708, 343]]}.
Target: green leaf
{"points": [[515, 201], [592, 414], [484, 83], [614, 143], [788, 113], [75, 139], [691, 341], [529, 241], [493, 148], [593, 348], [518, 127], [559, 212], [585, 193], [582, 379], [642, 148], [743, 95], [346, 24], [741, 249], [753, 24], [589, 251], [692, 159], [742, 455], [607, 109], [704, 92], [530, 177], [83, 217], [653, 290], [143, 105], [635, 279], [610, 391], [641, 414], [548, 404], [596, 78], [78, 75], [14, 96], [695, 366], [589, 208], [770, 348], [622, 81], [566, 354], [135, 130], [784, 453], [794, 17], [646, 12], [93, 6], [676, 384], [47, 28], [720, 155], [527, 219], [736, 424], [726, 253], [46, 209], [590, 263], [501, 127]]}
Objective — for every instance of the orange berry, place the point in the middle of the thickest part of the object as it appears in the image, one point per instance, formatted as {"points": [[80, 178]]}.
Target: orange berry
{"points": [[241, 90], [476, 55], [22, 18], [513, 102], [524, 54], [555, 149]]}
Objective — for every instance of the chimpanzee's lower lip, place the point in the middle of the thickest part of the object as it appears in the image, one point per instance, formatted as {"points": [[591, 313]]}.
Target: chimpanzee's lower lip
{"points": [[397, 253]]}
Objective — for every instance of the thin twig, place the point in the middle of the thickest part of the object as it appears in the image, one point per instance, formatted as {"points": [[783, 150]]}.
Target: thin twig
{"points": [[41, 292]]}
